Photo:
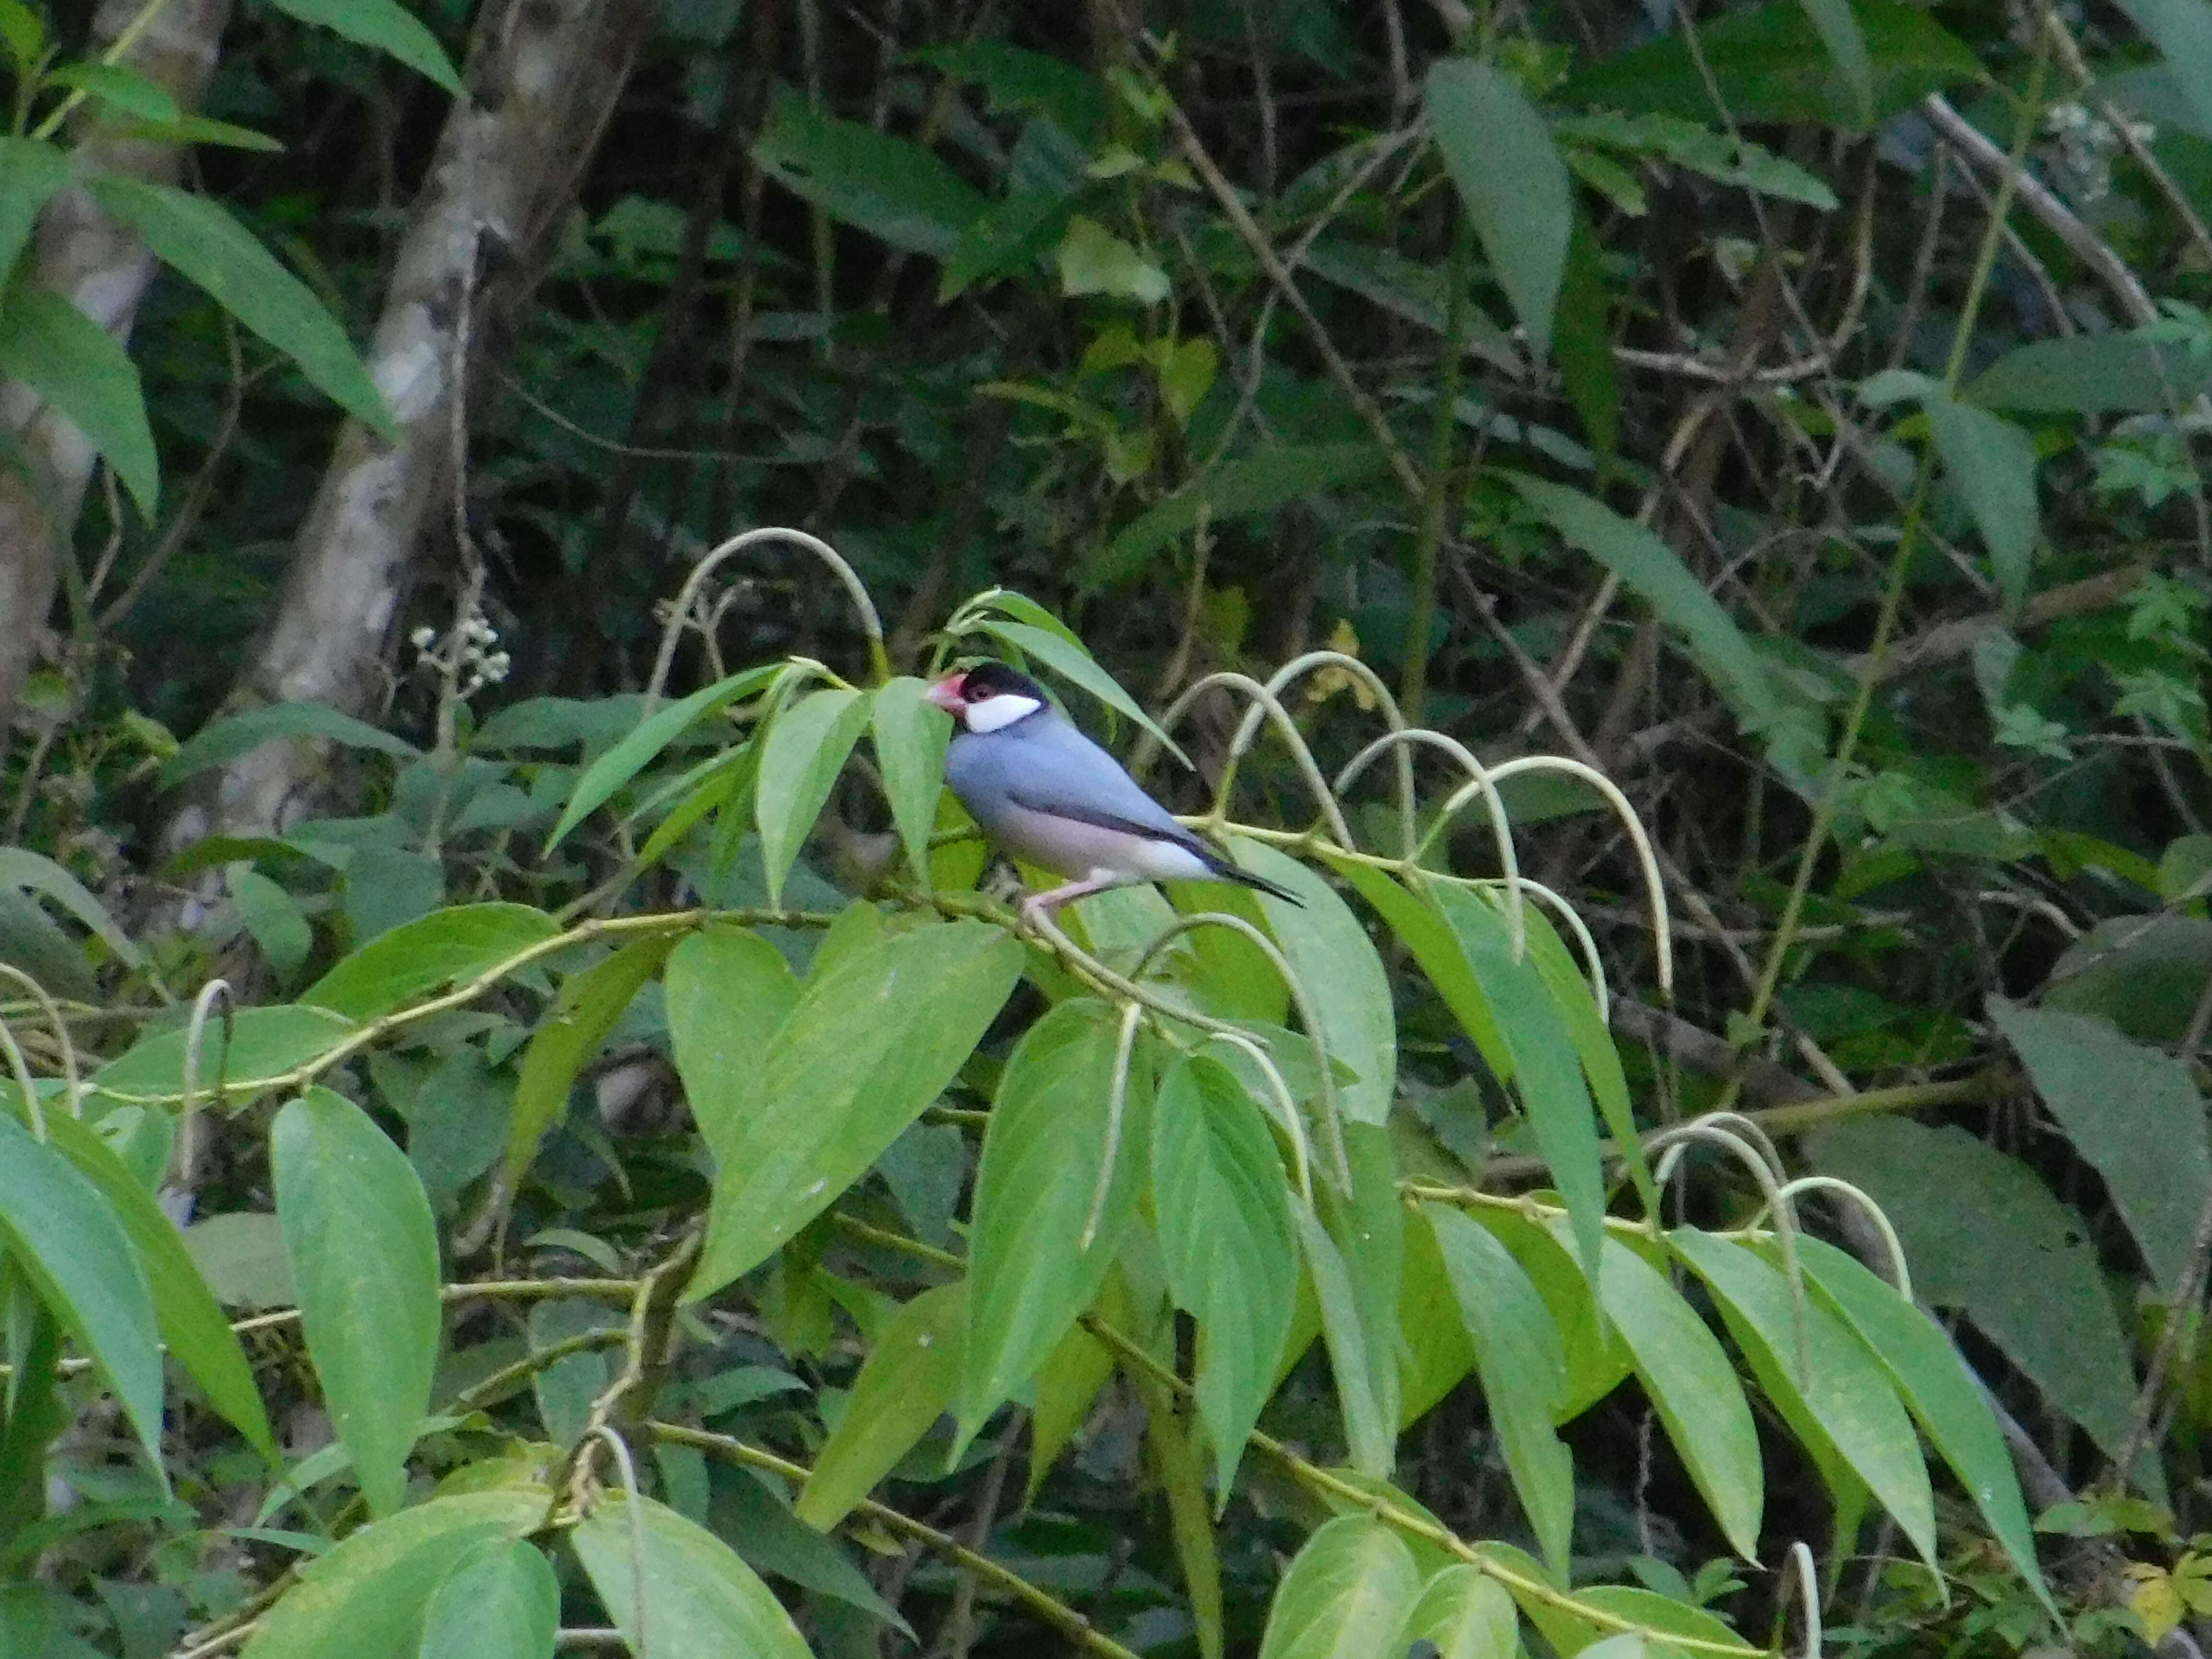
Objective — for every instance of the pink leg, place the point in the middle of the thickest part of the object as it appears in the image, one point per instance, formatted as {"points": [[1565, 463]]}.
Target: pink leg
{"points": [[1038, 905]]}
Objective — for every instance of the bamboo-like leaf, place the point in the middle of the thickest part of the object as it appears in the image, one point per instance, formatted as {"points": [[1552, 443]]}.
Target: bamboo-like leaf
{"points": [[1422, 929], [873, 1040], [614, 768], [80, 369], [364, 1250], [400, 967], [911, 736], [890, 187], [582, 1014], [1348, 1594], [1076, 666], [800, 757], [1991, 463], [904, 1386], [1511, 182], [1175, 1464], [31, 171], [385, 25]]}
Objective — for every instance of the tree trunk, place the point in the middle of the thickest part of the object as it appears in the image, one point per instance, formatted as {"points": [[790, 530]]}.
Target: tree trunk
{"points": [[542, 76], [100, 264]]}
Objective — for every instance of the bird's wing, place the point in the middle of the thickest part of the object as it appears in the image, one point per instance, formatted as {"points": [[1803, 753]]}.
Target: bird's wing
{"points": [[1061, 771]]}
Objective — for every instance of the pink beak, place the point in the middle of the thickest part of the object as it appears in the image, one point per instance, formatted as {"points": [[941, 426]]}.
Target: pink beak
{"points": [[945, 694]]}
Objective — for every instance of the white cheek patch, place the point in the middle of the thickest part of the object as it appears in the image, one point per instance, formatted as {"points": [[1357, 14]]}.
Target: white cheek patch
{"points": [[993, 714]]}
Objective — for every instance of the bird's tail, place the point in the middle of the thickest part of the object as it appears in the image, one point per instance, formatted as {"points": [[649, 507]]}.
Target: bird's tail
{"points": [[1228, 872]]}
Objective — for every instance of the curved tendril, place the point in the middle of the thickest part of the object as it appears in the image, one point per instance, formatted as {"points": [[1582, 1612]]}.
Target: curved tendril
{"points": [[1247, 729], [1332, 1114], [1117, 1099], [1899, 1276], [1285, 1110], [35, 1108], [1601, 992], [1647, 861], [1308, 768], [1482, 781], [72, 1086], [872, 625], [1715, 1131], [185, 1155], [1748, 1129], [1808, 1587]]}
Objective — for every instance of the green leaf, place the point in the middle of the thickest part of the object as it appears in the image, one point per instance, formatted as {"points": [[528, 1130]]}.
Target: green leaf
{"points": [[1584, 344], [1694, 1388], [366, 1598], [279, 926], [24, 32], [1092, 259], [1422, 929], [1435, 1354], [385, 25], [1991, 464], [1576, 1001], [1369, 1429], [1019, 80], [1332, 956], [904, 1387], [1726, 160], [122, 89], [1247, 487], [911, 736], [1346, 1595], [1511, 181], [1968, 1217], [751, 1511], [1011, 235], [700, 1600], [1839, 32], [2129, 1109], [1173, 1461], [66, 1234], [1031, 1271], [500, 1601], [1546, 1071], [652, 734], [589, 1005], [191, 1320], [364, 1250], [1589, 1639], [1846, 1393], [32, 171], [1523, 1369], [2092, 374], [728, 990], [1421, 293], [1466, 1614], [1656, 572], [401, 966], [800, 757], [199, 238], [1227, 1239], [80, 369], [889, 187], [1940, 1392], [873, 1039], [1771, 65], [1075, 664], [35, 872], [267, 1046], [225, 740]]}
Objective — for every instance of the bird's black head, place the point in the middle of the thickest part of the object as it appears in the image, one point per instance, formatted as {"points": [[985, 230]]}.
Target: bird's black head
{"points": [[988, 679], [989, 696]]}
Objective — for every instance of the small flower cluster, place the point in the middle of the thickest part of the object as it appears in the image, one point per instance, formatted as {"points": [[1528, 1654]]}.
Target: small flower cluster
{"points": [[2086, 144], [480, 665]]}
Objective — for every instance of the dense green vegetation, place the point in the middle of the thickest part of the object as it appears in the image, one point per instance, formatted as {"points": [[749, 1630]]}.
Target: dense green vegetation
{"points": [[531, 1122]]}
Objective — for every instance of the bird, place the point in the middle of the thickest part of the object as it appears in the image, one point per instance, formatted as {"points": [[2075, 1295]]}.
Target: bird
{"points": [[1048, 795]]}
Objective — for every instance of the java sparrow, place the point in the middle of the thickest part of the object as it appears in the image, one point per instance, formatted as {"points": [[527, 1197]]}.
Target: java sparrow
{"points": [[1047, 795]]}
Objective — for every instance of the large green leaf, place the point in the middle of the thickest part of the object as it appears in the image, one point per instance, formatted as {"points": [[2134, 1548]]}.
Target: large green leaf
{"points": [[873, 1039], [1249, 486], [2133, 1112], [1333, 959], [1986, 1235], [456, 943], [1466, 1614], [1511, 181], [385, 25], [888, 186], [500, 1600], [264, 1045], [1991, 464], [2092, 374], [911, 736], [1348, 1595], [64, 1233], [197, 237], [611, 770], [1771, 64], [1044, 645], [1422, 929], [1688, 1377], [1523, 1369], [1032, 1269], [192, 1322], [800, 757], [366, 1598], [699, 1599], [31, 173], [1936, 1385], [35, 872], [2182, 30], [1546, 1068], [583, 1013], [82, 369], [904, 1386], [1369, 1421], [727, 992], [225, 740], [364, 1250], [1843, 1388], [1227, 1239]]}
